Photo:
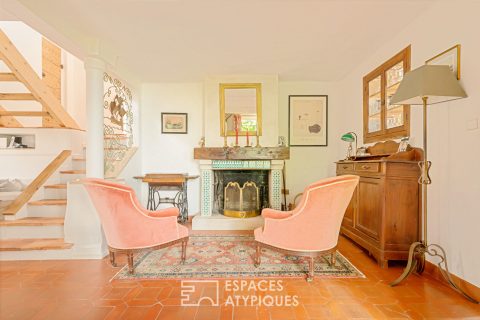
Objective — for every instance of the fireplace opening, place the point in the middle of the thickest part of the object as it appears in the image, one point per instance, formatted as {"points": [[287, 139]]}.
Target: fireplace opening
{"points": [[241, 201], [240, 193]]}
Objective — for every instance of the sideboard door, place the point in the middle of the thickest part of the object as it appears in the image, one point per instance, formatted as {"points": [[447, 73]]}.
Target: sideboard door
{"points": [[349, 217], [369, 214]]}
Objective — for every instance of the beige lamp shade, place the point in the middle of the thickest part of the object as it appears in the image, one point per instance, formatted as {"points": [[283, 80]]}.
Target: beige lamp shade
{"points": [[437, 83]]}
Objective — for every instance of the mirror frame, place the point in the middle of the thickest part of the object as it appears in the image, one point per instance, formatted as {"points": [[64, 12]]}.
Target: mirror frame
{"points": [[258, 88]]}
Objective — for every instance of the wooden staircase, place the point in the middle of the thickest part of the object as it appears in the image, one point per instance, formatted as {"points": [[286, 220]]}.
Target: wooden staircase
{"points": [[52, 112], [36, 229]]}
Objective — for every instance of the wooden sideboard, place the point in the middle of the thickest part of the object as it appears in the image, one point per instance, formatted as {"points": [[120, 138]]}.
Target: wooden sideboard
{"points": [[384, 214]]}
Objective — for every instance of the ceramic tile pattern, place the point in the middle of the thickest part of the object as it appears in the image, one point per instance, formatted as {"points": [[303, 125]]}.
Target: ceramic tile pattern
{"points": [[81, 290]]}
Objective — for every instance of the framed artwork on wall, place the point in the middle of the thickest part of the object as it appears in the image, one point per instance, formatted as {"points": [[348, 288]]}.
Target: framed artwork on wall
{"points": [[449, 57], [174, 122], [308, 120]]}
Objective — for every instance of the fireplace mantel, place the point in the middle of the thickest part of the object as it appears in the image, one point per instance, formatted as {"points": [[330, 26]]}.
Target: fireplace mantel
{"points": [[242, 153]]}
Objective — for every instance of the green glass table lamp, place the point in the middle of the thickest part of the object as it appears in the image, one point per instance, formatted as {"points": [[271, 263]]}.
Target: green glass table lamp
{"points": [[350, 137]]}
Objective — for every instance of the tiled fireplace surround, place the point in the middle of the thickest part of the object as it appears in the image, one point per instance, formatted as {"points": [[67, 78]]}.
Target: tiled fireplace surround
{"points": [[207, 220]]}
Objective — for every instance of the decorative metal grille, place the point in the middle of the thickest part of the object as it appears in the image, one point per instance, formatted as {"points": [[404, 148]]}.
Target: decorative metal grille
{"points": [[118, 121], [241, 202]]}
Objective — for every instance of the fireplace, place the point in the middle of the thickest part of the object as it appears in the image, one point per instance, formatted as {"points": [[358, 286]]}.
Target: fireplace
{"points": [[265, 176], [240, 193]]}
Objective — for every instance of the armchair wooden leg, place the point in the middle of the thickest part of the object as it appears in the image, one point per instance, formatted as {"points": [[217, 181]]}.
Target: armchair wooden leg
{"points": [[311, 270], [112, 259], [184, 251], [257, 256], [130, 262]]}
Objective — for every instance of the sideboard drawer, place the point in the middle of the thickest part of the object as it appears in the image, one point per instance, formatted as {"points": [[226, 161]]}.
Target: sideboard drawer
{"points": [[367, 167], [344, 167]]}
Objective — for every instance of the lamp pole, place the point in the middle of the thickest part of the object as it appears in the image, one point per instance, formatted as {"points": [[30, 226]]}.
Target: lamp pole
{"points": [[416, 255]]}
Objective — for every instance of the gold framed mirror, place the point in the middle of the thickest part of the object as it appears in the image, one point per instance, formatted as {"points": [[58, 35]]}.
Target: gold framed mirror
{"points": [[240, 109]]}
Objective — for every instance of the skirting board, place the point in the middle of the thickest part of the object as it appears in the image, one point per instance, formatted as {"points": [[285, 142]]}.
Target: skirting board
{"points": [[433, 270]]}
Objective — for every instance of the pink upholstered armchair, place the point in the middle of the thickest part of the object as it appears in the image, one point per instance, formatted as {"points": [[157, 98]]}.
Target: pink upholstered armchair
{"points": [[313, 227], [128, 226]]}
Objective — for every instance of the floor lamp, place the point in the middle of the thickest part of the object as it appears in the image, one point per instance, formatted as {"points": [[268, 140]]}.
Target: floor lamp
{"points": [[428, 85]]}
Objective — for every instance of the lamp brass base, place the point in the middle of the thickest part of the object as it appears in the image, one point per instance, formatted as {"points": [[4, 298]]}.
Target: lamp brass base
{"points": [[241, 214], [416, 263]]}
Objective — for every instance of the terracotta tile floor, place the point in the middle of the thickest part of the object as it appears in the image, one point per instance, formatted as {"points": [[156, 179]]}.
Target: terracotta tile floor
{"points": [[81, 290]]}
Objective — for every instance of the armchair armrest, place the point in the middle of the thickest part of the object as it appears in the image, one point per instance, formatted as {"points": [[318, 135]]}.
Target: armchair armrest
{"points": [[167, 212], [275, 214]]}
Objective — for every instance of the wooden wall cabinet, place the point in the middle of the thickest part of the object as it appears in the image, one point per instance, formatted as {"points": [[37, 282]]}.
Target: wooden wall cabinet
{"points": [[381, 119], [384, 213]]}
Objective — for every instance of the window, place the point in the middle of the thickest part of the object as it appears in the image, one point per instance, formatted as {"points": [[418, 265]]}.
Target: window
{"points": [[248, 123], [382, 120]]}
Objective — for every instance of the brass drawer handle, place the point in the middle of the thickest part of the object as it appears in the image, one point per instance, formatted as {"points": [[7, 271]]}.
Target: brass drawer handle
{"points": [[365, 167], [345, 167]]}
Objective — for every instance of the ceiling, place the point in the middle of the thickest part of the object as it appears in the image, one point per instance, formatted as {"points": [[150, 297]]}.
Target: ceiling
{"points": [[187, 40]]}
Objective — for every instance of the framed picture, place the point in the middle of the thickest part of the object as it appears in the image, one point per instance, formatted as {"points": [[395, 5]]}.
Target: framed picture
{"points": [[449, 57], [308, 120], [174, 122]]}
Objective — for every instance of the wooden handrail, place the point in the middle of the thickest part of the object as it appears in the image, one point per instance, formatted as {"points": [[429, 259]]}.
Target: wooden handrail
{"points": [[30, 190]]}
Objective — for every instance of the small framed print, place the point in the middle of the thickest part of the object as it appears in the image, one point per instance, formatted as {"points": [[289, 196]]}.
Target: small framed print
{"points": [[449, 57], [174, 123], [308, 120]]}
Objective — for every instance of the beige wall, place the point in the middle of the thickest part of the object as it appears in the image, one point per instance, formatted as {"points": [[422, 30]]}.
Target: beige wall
{"points": [[269, 108], [454, 205], [171, 153], [309, 164]]}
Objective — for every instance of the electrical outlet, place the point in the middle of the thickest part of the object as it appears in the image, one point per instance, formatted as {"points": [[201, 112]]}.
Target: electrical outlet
{"points": [[472, 124]]}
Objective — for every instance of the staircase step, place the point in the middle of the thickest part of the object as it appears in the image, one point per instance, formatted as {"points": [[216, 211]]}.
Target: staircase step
{"points": [[33, 221], [32, 228], [34, 244], [56, 186], [73, 172], [49, 202]]}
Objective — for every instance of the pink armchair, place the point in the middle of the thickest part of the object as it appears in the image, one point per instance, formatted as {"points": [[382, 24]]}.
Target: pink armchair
{"points": [[128, 226], [313, 227]]}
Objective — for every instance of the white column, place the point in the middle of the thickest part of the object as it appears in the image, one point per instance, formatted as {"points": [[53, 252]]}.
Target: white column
{"points": [[94, 70]]}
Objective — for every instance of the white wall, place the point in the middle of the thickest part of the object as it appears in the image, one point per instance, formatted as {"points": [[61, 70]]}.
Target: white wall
{"points": [[211, 128], [26, 164], [74, 88], [171, 153], [309, 164], [174, 152], [453, 197]]}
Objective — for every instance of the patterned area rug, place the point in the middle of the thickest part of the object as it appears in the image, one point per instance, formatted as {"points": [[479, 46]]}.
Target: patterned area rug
{"points": [[220, 257]]}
